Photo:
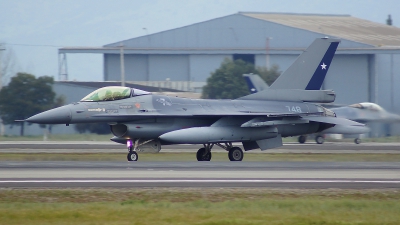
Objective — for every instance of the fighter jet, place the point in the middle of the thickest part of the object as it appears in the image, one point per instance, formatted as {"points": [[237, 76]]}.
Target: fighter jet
{"points": [[364, 112], [258, 121]]}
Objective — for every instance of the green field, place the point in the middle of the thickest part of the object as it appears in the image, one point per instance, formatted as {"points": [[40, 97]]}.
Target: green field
{"points": [[199, 206]]}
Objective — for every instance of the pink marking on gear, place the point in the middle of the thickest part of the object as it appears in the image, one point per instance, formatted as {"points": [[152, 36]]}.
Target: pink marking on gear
{"points": [[129, 143]]}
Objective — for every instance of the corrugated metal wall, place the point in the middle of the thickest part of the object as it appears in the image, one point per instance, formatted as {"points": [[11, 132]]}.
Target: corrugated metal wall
{"points": [[201, 66], [136, 67], [348, 77], [172, 67], [388, 82]]}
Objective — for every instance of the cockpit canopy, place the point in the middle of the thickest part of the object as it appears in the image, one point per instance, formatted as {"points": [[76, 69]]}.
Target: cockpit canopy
{"points": [[112, 93], [367, 105]]}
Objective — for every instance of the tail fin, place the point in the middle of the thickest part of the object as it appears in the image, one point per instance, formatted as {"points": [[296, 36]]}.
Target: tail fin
{"points": [[255, 83], [309, 70]]}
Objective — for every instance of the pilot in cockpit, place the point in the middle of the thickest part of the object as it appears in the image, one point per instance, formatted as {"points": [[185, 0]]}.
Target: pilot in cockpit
{"points": [[113, 93]]}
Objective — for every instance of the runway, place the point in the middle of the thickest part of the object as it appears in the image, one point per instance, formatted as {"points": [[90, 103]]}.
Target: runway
{"points": [[293, 175], [111, 147], [311, 175]]}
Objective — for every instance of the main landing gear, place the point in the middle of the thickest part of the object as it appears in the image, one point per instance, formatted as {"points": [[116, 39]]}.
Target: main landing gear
{"points": [[234, 153], [319, 139], [302, 139], [203, 154]]}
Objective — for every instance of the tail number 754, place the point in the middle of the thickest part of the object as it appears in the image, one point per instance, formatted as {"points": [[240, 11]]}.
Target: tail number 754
{"points": [[294, 109]]}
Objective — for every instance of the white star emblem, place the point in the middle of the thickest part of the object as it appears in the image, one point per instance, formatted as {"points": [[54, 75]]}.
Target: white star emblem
{"points": [[323, 66]]}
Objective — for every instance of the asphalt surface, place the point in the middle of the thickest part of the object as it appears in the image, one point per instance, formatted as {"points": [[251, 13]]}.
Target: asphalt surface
{"points": [[51, 174], [111, 147], [297, 175]]}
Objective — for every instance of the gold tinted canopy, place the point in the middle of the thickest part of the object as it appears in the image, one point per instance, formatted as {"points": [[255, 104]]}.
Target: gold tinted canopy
{"points": [[111, 93]]}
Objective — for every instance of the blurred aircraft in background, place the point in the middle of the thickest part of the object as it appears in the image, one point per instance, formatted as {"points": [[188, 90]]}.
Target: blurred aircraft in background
{"points": [[364, 112]]}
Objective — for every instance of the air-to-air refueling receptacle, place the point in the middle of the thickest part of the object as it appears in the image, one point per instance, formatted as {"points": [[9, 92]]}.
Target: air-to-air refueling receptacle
{"points": [[259, 121]]}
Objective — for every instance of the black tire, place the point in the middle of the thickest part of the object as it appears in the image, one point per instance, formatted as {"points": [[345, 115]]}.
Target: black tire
{"points": [[319, 139], [302, 139], [201, 157], [235, 154], [357, 140], [132, 156]]}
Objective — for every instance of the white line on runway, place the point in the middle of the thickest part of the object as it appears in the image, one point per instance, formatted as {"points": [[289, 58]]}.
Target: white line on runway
{"points": [[202, 181]]}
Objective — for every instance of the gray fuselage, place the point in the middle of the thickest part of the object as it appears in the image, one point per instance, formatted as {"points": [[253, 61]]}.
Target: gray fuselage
{"points": [[149, 116]]}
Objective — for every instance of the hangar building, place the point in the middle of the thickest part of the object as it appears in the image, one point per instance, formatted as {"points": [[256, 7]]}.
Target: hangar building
{"points": [[366, 66]]}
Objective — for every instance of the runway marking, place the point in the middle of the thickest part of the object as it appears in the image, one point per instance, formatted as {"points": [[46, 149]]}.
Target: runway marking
{"points": [[202, 181]]}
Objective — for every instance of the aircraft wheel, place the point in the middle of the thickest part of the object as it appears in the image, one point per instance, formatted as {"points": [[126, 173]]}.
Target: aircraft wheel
{"points": [[357, 140], [132, 156], [235, 154], [302, 139], [319, 139], [203, 157]]}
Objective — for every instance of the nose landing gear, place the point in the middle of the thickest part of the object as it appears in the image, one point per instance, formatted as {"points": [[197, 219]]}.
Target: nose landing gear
{"points": [[132, 154]]}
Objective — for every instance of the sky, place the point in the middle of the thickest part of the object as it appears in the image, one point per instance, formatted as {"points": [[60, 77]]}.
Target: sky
{"points": [[32, 31]]}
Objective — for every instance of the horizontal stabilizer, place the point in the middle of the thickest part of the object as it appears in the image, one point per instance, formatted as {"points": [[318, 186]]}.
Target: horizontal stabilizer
{"points": [[320, 96]]}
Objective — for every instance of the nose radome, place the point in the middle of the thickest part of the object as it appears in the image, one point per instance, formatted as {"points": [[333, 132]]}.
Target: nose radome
{"points": [[60, 115]]}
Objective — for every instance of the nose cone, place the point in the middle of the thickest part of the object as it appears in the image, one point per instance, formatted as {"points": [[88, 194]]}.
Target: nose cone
{"points": [[60, 115]]}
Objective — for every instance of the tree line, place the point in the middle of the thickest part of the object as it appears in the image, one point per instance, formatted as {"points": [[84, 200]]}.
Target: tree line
{"points": [[227, 81]]}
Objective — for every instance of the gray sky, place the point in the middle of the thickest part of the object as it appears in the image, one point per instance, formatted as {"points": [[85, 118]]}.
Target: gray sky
{"points": [[35, 29]]}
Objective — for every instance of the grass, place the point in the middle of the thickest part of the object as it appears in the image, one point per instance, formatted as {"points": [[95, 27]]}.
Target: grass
{"points": [[199, 206], [216, 156], [106, 137]]}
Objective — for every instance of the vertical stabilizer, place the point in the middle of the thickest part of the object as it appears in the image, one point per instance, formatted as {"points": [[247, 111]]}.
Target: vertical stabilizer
{"points": [[255, 83], [309, 70]]}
